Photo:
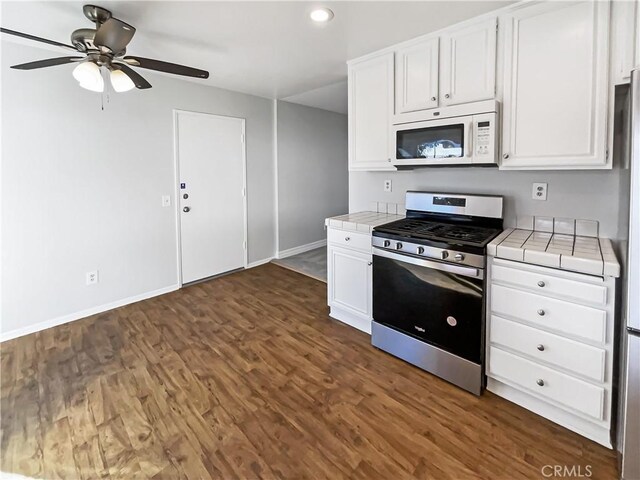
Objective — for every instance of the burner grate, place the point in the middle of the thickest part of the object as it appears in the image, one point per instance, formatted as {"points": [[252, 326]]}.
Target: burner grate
{"points": [[443, 231]]}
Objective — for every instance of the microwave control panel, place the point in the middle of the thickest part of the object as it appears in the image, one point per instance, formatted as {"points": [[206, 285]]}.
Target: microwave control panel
{"points": [[484, 138]]}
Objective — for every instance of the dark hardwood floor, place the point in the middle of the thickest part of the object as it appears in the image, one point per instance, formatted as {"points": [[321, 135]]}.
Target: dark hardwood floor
{"points": [[246, 376]]}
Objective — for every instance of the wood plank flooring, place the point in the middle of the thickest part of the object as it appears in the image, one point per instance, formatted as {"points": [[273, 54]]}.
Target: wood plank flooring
{"points": [[246, 376]]}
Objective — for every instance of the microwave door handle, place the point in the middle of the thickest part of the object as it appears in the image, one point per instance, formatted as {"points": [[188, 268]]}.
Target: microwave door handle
{"points": [[470, 141]]}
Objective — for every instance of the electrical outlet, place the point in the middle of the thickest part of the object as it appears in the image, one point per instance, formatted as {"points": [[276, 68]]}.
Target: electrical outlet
{"points": [[92, 277], [387, 185], [166, 200], [539, 191]]}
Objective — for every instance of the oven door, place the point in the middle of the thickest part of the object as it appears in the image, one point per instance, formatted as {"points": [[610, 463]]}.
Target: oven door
{"points": [[438, 303]]}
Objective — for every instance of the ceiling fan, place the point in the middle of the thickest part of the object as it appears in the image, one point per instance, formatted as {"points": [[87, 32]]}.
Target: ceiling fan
{"points": [[104, 49]]}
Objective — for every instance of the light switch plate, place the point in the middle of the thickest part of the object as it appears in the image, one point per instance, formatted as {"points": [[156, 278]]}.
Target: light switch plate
{"points": [[166, 200], [387, 185], [539, 191]]}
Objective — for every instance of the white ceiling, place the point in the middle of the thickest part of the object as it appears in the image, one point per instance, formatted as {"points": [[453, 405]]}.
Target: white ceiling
{"points": [[270, 49], [330, 97]]}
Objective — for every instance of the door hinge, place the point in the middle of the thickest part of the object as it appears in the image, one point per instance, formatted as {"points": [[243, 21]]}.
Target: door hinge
{"points": [[242, 138], [244, 245], [244, 192]]}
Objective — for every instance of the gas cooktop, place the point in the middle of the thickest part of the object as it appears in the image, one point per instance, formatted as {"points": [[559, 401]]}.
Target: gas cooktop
{"points": [[454, 233]]}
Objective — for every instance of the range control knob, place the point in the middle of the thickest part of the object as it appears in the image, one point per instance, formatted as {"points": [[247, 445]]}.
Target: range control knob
{"points": [[444, 254], [398, 246], [387, 243], [420, 250], [458, 257]]}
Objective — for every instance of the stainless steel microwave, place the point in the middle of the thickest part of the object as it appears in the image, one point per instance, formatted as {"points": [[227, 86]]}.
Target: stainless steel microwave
{"points": [[457, 135]]}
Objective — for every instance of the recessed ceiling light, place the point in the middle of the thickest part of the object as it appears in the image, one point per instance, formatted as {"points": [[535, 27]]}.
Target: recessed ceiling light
{"points": [[321, 15]]}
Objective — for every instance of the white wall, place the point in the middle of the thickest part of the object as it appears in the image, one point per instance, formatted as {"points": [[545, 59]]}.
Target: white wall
{"points": [[312, 172], [82, 187], [575, 194]]}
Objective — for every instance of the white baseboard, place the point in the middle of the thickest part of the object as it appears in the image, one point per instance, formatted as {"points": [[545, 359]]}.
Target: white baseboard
{"points": [[301, 249], [54, 322], [257, 263]]}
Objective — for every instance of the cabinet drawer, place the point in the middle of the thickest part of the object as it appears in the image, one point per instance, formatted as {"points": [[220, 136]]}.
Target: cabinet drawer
{"points": [[544, 283], [563, 317], [564, 389], [344, 238], [568, 354]]}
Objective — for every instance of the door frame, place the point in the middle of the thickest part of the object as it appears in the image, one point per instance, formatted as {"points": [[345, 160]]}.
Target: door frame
{"points": [[176, 174]]}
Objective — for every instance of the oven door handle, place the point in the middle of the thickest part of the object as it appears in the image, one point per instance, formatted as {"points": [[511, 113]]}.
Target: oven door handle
{"points": [[445, 267]]}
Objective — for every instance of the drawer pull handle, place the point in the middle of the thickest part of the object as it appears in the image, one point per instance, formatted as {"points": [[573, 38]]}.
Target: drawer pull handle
{"points": [[541, 284], [346, 239], [540, 347], [541, 312], [540, 382]]}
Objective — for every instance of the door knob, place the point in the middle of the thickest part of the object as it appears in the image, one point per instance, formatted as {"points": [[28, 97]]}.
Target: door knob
{"points": [[186, 209]]}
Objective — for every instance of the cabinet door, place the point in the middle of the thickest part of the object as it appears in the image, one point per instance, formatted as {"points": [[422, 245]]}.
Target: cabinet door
{"points": [[350, 280], [468, 63], [556, 86], [370, 110], [417, 77], [622, 41]]}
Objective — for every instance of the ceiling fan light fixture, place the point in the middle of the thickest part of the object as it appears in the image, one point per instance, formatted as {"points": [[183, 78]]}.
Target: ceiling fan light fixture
{"points": [[321, 15], [93, 86], [120, 81], [89, 76]]}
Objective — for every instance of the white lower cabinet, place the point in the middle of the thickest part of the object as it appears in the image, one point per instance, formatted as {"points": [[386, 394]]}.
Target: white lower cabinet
{"points": [[550, 346], [349, 278]]}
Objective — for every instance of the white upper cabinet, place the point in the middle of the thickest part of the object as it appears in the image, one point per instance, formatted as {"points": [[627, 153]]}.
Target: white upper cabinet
{"points": [[623, 16], [417, 76], [556, 87], [458, 66], [468, 63], [370, 108]]}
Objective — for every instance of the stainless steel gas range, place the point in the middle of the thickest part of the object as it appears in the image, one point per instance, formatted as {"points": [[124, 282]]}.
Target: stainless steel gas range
{"points": [[429, 284]]}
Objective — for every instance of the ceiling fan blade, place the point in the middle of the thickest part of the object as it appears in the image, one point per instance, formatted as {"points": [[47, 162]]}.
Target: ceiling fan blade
{"points": [[49, 62], [137, 79], [37, 39], [167, 67], [114, 34]]}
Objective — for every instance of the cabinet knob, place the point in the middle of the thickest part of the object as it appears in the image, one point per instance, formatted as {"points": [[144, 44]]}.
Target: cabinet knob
{"points": [[370, 263], [433, 99], [541, 284], [447, 95], [186, 209], [505, 156], [541, 312], [346, 239], [540, 382], [540, 347]]}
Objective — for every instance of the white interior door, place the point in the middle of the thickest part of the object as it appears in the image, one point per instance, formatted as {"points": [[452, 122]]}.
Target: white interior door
{"points": [[211, 175]]}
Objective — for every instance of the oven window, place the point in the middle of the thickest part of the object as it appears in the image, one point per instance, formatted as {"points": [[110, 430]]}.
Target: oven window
{"points": [[446, 141]]}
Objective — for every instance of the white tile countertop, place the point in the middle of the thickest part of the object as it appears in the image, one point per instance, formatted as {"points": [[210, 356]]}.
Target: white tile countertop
{"points": [[561, 243], [361, 221]]}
